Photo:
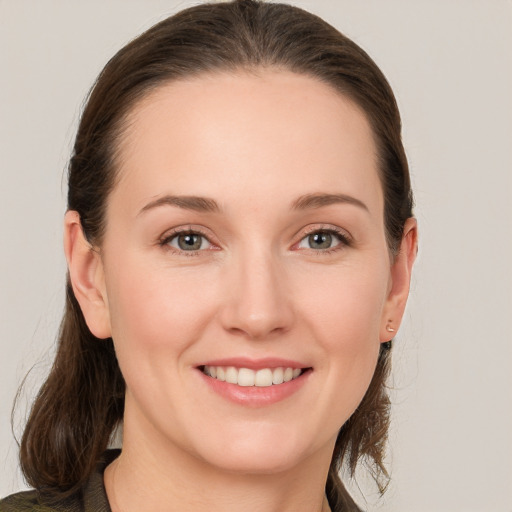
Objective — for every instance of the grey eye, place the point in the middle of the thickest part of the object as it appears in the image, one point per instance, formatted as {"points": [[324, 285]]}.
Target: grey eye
{"points": [[189, 242], [320, 240]]}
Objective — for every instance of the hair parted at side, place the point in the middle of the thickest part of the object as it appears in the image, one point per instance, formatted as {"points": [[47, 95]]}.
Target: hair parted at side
{"points": [[82, 400]]}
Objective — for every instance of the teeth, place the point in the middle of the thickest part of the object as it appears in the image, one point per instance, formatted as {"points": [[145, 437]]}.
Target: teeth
{"points": [[231, 375], [263, 378], [277, 376], [246, 377]]}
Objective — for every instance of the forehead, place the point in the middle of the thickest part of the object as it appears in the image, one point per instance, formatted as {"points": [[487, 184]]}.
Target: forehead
{"points": [[268, 132]]}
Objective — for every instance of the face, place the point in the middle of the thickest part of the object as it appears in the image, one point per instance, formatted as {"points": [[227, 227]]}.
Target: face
{"points": [[247, 279]]}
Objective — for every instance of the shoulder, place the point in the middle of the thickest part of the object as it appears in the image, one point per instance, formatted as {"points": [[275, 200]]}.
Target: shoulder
{"points": [[19, 502], [32, 501], [91, 497]]}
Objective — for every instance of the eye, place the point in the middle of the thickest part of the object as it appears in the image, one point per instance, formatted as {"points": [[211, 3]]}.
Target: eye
{"points": [[189, 241], [322, 240]]}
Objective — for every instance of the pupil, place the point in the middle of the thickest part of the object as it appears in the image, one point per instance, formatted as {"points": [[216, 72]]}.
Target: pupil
{"points": [[320, 240], [188, 242]]}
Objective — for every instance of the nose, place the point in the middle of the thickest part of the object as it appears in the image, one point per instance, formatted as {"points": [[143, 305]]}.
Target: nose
{"points": [[257, 302]]}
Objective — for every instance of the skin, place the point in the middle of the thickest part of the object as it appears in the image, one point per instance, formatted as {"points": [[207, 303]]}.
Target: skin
{"points": [[254, 143]]}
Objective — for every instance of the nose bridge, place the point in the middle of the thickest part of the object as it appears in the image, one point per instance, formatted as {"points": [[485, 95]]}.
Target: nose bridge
{"points": [[259, 304]]}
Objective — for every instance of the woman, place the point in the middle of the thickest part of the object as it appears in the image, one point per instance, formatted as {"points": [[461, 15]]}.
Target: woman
{"points": [[240, 240]]}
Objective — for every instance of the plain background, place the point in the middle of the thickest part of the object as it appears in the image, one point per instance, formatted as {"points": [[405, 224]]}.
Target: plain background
{"points": [[450, 64]]}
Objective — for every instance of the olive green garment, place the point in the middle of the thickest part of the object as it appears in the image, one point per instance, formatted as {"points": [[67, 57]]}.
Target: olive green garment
{"points": [[91, 498]]}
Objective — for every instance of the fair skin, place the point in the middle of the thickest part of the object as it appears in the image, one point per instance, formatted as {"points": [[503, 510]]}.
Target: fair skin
{"points": [[283, 263]]}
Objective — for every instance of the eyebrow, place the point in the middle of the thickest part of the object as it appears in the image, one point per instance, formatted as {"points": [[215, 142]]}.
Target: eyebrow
{"points": [[205, 204], [318, 200], [198, 204]]}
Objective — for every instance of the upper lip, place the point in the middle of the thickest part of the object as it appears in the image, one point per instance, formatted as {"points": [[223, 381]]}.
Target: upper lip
{"points": [[255, 364]]}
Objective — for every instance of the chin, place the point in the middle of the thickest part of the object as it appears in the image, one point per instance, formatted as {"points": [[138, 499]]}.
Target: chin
{"points": [[256, 464], [258, 454]]}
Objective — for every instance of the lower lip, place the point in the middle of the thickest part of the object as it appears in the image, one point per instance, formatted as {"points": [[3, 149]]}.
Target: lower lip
{"points": [[255, 396]]}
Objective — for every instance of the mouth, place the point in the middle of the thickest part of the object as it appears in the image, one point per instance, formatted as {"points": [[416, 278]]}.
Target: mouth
{"points": [[247, 377]]}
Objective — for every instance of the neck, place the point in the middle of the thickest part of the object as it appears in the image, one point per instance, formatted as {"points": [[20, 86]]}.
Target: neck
{"points": [[151, 475]]}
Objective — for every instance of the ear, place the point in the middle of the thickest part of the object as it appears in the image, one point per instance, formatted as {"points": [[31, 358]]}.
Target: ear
{"points": [[400, 280], [86, 276]]}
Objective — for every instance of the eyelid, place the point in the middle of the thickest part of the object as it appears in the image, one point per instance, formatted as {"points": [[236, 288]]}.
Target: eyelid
{"points": [[172, 233], [343, 236]]}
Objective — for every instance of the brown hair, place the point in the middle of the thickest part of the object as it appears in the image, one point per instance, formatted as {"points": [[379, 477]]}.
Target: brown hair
{"points": [[82, 401]]}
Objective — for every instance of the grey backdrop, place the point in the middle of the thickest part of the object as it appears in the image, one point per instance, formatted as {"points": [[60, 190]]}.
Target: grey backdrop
{"points": [[450, 64]]}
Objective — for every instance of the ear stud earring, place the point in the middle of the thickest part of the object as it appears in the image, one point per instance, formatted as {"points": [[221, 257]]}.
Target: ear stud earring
{"points": [[387, 344]]}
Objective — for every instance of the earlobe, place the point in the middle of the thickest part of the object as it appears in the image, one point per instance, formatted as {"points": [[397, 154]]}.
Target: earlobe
{"points": [[86, 276], [400, 280]]}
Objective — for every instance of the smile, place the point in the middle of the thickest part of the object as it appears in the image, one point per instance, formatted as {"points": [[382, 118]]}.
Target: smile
{"points": [[247, 377], [255, 382]]}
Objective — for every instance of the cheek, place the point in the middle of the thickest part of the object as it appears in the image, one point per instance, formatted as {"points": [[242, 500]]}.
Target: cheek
{"points": [[157, 314], [155, 309], [344, 312], [346, 304]]}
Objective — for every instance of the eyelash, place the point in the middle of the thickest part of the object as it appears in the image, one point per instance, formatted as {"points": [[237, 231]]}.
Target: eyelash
{"points": [[166, 239], [342, 237]]}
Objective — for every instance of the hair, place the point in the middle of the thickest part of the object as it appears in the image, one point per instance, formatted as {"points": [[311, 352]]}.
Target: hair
{"points": [[82, 401]]}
